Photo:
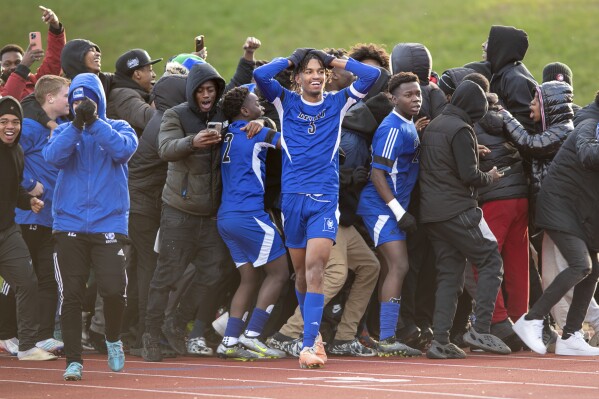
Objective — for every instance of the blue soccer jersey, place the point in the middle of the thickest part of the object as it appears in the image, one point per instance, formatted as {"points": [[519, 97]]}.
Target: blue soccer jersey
{"points": [[243, 169], [311, 132], [395, 150]]}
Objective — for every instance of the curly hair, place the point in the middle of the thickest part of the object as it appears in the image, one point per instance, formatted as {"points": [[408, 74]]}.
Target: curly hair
{"points": [[362, 51], [233, 101], [480, 80], [303, 65], [337, 52], [401, 78]]}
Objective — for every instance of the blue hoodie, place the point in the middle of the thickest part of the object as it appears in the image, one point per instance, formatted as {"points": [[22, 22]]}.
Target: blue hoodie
{"points": [[91, 193]]}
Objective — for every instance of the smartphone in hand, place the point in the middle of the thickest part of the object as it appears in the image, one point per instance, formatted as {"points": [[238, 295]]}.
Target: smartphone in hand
{"points": [[218, 126], [35, 40], [199, 43]]}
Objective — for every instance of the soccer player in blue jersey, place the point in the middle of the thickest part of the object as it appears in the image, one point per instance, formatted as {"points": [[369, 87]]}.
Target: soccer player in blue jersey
{"points": [[310, 136], [385, 199], [246, 228]]}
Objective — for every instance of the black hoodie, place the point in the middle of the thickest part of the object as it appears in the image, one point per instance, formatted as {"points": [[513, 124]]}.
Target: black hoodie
{"points": [[449, 172], [12, 162], [511, 80]]}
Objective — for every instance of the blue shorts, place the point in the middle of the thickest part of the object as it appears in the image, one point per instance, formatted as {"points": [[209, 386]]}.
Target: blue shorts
{"points": [[251, 238], [307, 216], [383, 229]]}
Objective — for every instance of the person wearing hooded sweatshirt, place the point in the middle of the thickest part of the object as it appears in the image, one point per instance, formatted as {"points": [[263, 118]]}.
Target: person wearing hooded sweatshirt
{"points": [[191, 198], [449, 178], [15, 262], [567, 210], [91, 210]]}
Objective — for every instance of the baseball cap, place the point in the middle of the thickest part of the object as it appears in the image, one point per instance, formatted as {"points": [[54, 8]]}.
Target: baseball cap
{"points": [[134, 59]]}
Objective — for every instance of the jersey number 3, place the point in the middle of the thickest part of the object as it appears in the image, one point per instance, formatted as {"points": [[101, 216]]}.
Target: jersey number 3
{"points": [[228, 140]]}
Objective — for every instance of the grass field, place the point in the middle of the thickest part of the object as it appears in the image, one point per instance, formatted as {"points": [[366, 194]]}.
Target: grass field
{"points": [[559, 30]]}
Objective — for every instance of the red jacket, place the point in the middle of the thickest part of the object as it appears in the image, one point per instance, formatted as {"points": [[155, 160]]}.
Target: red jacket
{"points": [[19, 86]]}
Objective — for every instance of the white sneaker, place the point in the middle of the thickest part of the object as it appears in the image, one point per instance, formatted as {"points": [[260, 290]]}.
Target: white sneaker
{"points": [[575, 345], [36, 354], [531, 333], [51, 345], [10, 345], [220, 324]]}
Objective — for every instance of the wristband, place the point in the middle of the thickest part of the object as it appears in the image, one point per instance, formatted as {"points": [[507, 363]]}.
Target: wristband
{"points": [[396, 208]]}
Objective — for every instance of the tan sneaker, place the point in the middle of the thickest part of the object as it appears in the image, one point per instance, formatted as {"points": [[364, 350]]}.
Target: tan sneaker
{"points": [[36, 354], [308, 358]]}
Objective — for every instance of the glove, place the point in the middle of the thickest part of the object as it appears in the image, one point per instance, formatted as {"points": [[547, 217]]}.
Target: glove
{"points": [[298, 55], [87, 108], [360, 176], [407, 223], [78, 121], [326, 58]]}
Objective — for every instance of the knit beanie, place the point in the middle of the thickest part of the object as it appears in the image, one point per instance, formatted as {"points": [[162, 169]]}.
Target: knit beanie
{"points": [[558, 71], [452, 78], [81, 92], [10, 106]]}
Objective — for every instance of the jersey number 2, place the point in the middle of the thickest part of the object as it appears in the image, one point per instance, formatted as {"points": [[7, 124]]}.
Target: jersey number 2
{"points": [[228, 141]]}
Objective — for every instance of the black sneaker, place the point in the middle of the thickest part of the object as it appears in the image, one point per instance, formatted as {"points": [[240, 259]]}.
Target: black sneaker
{"points": [[444, 351], [409, 334], [175, 336], [486, 342], [549, 337], [350, 348], [151, 348], [98, 342], [504, 331], [392, 347], [291, 346]]}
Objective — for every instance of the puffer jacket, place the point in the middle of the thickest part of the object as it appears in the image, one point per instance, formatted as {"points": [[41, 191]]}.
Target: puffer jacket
{"points": [[193, 181], [415, 58], [556, 124], [130, 102], [589, 111]]}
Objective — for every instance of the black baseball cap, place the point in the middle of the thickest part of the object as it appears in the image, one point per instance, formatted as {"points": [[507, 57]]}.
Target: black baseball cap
{"points": [[132, 60]]}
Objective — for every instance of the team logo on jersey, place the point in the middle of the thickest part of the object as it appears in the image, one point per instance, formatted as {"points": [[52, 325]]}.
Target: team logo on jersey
{"points": [[312, 120], [329, 225], [110, 238]]}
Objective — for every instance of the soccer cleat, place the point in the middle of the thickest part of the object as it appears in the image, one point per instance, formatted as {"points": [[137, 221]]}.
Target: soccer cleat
{"points": [[10, 345], [575, 345], [444, 351], [319, 345], [236, 352], [351, 348], [116, 355], [255, 345], [197, 347], [51, 345], [175, 336], [392, 347], [151, 351], [73, 372], [309, 359], [486, 342], [36, 354], [531, 333], [291, 346]]}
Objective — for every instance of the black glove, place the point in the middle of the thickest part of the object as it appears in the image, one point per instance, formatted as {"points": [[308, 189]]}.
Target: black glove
{"points": [[407, 223], [78, 121], [360, 176], [298, 55], [326, 58], [87, 109]]}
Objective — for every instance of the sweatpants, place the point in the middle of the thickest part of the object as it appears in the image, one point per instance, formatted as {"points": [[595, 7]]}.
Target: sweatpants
{"points": [[464, 237], [75, 255]]}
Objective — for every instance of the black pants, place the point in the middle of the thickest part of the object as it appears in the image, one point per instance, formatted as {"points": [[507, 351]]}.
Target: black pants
{"points": [[463, 237], [142, 232], [40, 242], [582, 274], [17, 270], [76, 254], [184, 239]]}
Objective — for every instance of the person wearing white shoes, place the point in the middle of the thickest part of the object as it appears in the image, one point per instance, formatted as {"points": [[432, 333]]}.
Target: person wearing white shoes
{"points": [[566, 209], [15, 261]]}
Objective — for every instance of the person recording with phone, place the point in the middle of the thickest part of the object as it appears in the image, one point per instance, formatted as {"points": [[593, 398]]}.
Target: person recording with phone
{"points": [[13, 59]]}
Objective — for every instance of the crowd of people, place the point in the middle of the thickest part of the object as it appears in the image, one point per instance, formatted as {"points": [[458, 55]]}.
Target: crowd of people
{"points": [[354, 203]]}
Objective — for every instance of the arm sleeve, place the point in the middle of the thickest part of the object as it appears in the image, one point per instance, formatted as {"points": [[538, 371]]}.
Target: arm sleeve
{"points": [[265, 81], [367, 76], [268, 136], [173, 144], [16, 82], [62, 145], [130, 107], [587, 146], [243, 74], [118, 140], [24, 199], [384, 148], [51, 63], [29, 181], [464, 153]]}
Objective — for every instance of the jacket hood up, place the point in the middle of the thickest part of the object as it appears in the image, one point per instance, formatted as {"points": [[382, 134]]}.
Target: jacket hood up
{"points": [[72, 58], [470, 98], [505, 45], [199, 74], [169, 91], [92, 82], [412, 57], [556, 103]]}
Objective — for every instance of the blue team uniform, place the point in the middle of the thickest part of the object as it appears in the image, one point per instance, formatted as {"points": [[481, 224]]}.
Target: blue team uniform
{"points": [[310, 137], [395, 150], [243, 224]]}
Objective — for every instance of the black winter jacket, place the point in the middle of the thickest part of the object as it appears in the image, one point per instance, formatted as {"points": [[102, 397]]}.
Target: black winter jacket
{"points": [[590, 111], [568, 199]]}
